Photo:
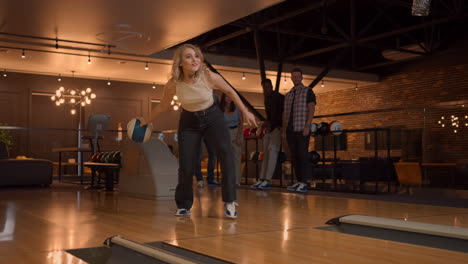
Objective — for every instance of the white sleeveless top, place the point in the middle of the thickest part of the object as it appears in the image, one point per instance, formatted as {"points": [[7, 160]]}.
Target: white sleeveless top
{"points": [[194, 97]]}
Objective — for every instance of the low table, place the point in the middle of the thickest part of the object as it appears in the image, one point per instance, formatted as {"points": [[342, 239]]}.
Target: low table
{"points": [[111, 170], [80, 164]]}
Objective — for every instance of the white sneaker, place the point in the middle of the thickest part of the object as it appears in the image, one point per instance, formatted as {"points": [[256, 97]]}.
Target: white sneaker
{"points": [[200, 184], [293, 187], [182, 212], [265, 185], [258, 183], [230, 208], [302, 188]]}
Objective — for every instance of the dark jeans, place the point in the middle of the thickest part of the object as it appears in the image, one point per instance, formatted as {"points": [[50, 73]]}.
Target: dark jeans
{"points": [[299, 148], [211, 163], [193, 126]]}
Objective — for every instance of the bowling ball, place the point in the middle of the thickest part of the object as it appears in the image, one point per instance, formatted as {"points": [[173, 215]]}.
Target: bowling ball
{"points": [[137, 133]]}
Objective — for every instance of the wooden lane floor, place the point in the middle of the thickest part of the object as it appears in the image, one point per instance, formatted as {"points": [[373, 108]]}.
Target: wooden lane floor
{"points": [[273, 227]]}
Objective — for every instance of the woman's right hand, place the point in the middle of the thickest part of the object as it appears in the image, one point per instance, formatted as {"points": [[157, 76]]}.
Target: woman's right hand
{"points": [[250, 119], [143, 121]]}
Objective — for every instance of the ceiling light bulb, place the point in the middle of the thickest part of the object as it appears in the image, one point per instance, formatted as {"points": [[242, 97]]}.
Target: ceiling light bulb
{"points": [[61, 89], [87, 100], [154, 86], [108, 83], [59, 78], [73, 111], [83, 103], [83, 92], [72, 92], [172, 102], [175, 97], [62, 100], [88, 90], [243, 76], [23, 56], [93, 96], [176, 107], [323, 84], [146, 67], [57, 103], [58, 93], [52, 98], [72, 100]]}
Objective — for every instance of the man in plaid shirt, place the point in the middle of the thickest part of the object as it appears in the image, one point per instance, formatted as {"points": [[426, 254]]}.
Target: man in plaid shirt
{"points": [[299, 109]]}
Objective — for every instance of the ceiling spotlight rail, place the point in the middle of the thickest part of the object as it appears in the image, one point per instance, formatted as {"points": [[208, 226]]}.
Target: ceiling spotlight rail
{"points": [[145, 61], [58, 40]]}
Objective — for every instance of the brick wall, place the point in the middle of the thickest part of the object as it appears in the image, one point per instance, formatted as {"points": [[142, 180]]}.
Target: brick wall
{"points": [[413, 100]]}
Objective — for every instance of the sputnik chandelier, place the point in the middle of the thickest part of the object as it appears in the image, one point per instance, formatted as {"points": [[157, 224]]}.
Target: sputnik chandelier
{"points": [[73, 98], [175, 103], [455, 122]]}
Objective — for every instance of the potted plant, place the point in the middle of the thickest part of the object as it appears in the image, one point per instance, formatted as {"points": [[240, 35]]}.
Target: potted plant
{"points": [[6, 137]]}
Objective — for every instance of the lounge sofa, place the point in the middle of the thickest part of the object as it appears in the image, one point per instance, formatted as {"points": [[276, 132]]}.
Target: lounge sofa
{"points": [[15, 172]]}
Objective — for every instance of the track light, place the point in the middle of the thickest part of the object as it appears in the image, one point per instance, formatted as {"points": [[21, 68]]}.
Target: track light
{"points": [[243, 76], [4, 73], [59, 78], [356, 88], [23, 56], [146, 66], [89, 59], [323, 84], [108, 82], [154, 85]]}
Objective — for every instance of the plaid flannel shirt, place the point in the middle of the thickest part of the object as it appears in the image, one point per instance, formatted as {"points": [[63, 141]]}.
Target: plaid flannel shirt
{"points": [[299, 94]]}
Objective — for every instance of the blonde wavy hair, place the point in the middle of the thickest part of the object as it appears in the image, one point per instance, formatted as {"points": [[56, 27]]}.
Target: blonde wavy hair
{"points": [[177, 72]]}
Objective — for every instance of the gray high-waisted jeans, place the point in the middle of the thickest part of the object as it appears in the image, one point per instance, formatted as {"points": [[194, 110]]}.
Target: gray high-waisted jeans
{"points": [[193, 126]]}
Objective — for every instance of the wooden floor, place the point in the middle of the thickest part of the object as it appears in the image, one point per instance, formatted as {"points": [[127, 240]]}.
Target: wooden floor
{"points": [[273, 227]]}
